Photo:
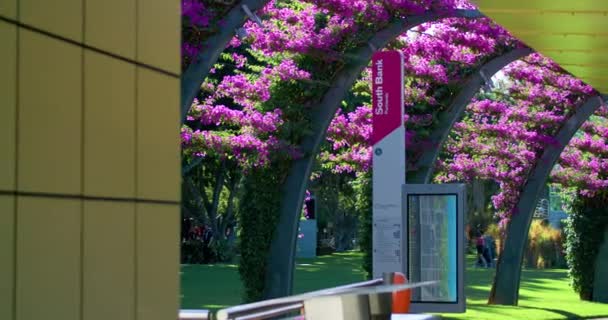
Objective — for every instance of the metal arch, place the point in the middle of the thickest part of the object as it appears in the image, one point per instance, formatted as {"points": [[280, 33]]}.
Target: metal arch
{"points": [[197, 71], [456, 109], [281, 258], [505, 289]]}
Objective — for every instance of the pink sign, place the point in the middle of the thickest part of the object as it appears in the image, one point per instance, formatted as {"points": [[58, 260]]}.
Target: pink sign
{"points": [[388, 138], [387, 93]]}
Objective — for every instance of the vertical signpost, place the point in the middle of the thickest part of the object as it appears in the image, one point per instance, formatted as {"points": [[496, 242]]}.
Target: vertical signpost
{"points": [[388, 140]]}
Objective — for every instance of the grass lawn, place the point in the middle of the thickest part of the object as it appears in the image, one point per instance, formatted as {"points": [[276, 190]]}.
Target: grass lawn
{"points": [[544, 294]]}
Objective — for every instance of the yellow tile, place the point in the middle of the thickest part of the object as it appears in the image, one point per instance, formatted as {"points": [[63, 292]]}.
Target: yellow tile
{"points": [[110, 25], [547, 5], [157, 261], [7, 258], [48, 258], [49, 127], [158, 33], [109, 260], [158, 153], [8, 8], [8, 104], [61, 17], [109, 124]]}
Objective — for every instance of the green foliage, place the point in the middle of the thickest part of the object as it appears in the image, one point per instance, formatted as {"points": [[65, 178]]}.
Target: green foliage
{"points": [[209, 199], [193, 252], [222, 249], [259, 209], [258, 217], [363, 205], [545, 246], [480, 214], [584, 235]]}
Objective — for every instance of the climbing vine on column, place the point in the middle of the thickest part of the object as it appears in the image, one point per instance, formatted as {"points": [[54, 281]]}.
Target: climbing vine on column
{"points": [[258, 217], [584, 235]]}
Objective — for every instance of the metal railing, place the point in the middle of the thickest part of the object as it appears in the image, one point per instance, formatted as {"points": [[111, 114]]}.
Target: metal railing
{"points": [[267, 308], [194, 314], [295, 305]]}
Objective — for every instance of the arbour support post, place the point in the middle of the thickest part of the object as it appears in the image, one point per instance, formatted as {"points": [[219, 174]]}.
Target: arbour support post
{"points": [[197, 71], [281, 260], [447, 119], [505, 289]]}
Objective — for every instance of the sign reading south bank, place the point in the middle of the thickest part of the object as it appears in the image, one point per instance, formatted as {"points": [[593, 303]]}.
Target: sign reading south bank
{"points": [[388, 140]]}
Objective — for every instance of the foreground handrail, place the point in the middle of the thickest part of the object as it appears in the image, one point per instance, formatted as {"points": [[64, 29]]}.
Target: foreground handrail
{"points": [[275, 307], [280, 302], [194, 314], [272, 312]]}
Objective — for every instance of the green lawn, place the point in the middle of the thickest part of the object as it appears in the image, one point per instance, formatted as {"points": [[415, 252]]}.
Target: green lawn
{"points": [[544, 294], [218, 286]]}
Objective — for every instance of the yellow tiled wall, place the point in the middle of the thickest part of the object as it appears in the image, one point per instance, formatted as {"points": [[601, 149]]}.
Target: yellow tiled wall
{"points": [[7, 254], [89, 159], [8, 103]]}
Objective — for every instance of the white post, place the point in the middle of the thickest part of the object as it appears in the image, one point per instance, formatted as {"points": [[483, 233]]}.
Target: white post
{"points": [[388, 140]]}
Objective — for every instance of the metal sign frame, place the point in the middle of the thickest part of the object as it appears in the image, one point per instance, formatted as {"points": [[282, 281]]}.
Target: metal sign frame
{"points": [[459, 190]]}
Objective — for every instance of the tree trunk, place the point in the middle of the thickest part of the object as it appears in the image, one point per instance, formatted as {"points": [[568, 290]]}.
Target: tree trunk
{"points": [[217, 191]]}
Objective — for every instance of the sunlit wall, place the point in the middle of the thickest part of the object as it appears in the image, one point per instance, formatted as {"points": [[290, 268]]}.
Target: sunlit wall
{"points": [[89, 159]]}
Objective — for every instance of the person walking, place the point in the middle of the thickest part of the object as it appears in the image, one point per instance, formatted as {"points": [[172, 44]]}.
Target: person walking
{"points": [[489, 252], [480, 244]]}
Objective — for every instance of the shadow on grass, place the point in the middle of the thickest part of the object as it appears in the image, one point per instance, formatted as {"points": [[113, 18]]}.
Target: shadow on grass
{"points": [[485, 311], [328, 271], [543, 291], [566, 314]]}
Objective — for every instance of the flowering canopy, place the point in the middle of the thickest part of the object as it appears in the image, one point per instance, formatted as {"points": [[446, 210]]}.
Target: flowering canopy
{"points": [[583, 165], [438, 57], [245, 131], [291, 43], [507, 129], [501, 137]]}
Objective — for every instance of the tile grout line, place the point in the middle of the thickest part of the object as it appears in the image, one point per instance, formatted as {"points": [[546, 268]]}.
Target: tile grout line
{"points": [[82, 197], [135, 167], [82, 157], [135, 260], [16, 168], [89, 47]]}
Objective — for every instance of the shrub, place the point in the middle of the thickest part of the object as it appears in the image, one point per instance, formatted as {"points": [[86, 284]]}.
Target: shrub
{"points": [[545, 246], [584, 234], [363, 191], [258, 218]]}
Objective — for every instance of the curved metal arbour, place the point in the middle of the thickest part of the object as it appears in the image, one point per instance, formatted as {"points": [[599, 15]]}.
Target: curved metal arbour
{"points": [[281, 261], [508, 271], [572, 33]]}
